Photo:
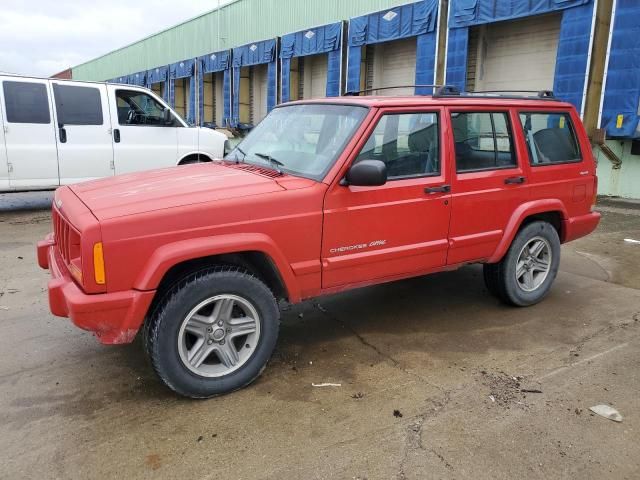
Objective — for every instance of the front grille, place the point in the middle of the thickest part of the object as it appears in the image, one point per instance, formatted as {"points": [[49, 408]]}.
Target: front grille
{"points": [[65, 236]]}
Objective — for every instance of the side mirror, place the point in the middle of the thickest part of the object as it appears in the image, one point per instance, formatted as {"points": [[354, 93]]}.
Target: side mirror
{"points": [[367, 173], [166, 117]]}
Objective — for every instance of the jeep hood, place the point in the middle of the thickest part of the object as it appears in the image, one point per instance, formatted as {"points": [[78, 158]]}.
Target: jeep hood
{"points": [[172, 187]]}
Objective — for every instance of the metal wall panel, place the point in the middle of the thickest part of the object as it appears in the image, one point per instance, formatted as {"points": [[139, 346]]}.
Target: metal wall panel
{"points": [[240, 22]]}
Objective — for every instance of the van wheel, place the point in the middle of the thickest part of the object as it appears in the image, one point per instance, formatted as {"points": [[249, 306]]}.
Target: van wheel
{"points": [[525, 275], [193, 159], [213, 332]]}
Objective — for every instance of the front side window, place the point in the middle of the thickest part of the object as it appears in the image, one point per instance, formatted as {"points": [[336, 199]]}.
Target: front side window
{"points": [[26, 102], [483, 141], [550, 138], [302, 140], [407, 143], [78, 105], [138, 108]]}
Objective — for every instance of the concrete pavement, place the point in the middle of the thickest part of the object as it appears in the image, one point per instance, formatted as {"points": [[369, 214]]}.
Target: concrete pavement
{"points": [[431, 371]]}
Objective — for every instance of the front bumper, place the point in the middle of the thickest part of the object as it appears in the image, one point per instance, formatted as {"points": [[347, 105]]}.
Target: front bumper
{"points": [[114, 317]]}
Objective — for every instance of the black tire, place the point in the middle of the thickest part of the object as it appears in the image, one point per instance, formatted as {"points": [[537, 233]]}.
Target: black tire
{"points": [[193, 159], [162, 332], [500, 278]]}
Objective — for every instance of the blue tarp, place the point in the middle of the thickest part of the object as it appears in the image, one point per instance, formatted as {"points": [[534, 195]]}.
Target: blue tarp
{"points": [[412, 20], [572, 54], [254, 54], [313, 41], [211, 63], [159, 75], [573, 44], [622, 90], [137, 79], [184, 69], [465, 13]]}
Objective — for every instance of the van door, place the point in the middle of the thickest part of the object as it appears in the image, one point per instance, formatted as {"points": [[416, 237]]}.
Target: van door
{"points": [[142, 139], [29, 133], [4, 166], [85, 148]]}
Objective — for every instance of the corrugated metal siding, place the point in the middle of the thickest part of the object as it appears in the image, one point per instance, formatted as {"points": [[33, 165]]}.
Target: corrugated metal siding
{"points": [[241, 22]]}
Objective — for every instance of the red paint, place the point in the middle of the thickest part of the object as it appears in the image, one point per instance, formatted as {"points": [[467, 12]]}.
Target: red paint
{"points": [[321, 236]]}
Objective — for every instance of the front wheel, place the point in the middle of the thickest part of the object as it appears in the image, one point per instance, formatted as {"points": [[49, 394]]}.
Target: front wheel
{"points": [[525, 275], [213, 333]]}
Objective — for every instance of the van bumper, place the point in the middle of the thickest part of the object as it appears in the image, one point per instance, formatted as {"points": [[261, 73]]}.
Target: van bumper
{"points": [[576, 227], [114, 318]]}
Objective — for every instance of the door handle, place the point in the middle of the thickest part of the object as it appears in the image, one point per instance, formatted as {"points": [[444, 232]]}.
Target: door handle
{"points": [[441, 189], [513, 180], [116, 135], [62, 133]]}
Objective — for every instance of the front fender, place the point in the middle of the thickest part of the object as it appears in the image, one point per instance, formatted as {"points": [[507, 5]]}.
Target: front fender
{"points": [[523, 211], [174, 253]]}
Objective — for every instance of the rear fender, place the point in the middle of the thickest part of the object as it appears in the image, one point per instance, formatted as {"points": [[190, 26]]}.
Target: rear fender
{"points": [[519, 215], [174, 253]]}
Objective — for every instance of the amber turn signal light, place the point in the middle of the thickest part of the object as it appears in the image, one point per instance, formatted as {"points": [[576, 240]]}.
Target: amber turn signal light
{"points": [[98, 263]]}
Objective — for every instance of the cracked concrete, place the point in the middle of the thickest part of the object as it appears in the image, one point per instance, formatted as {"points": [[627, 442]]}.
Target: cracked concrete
{"points": [[433, 348]]}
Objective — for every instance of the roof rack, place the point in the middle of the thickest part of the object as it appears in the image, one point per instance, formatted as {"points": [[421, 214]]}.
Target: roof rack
{"points": [[439, 90], [453, 91], [510, 94]]}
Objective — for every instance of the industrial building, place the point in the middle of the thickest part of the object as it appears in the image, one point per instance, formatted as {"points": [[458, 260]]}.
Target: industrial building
{"points": [[231, 66]]}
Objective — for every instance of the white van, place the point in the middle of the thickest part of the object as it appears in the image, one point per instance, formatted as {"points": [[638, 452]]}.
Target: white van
{"points": [[56, 132]]}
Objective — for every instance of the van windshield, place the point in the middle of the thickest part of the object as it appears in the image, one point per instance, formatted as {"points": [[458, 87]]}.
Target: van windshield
{"points": [[303, 140]]}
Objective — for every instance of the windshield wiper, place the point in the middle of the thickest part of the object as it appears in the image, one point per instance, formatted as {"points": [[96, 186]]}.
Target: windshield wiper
{"points": [[270, 159], [244, 155]]}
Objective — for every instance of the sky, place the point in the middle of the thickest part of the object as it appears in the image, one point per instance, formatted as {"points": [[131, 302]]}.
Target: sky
{"points": [[43, 37]]}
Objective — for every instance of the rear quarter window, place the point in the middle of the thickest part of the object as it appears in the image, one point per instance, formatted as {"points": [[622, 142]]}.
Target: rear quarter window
{"points": [[26, 102], [550, 137]]}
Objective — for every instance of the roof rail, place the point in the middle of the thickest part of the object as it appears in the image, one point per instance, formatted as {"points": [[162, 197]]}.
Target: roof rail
{"points": [[439, 90], [453, 91], [507, 94]]}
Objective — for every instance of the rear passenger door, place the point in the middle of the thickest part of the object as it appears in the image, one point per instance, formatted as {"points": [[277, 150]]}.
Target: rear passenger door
{"points": [[489, 180], [85, 148], [29, 133]]}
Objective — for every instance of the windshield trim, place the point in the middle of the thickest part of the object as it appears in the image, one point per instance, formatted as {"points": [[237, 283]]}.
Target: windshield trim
{"points": [[283, 169]]}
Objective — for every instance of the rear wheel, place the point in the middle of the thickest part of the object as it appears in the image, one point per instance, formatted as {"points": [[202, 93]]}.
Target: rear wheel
{"points": [[213, 332], [525, 275]]}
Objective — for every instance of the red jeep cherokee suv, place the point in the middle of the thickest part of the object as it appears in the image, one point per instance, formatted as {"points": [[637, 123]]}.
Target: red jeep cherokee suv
{"points": [[322, 196]]}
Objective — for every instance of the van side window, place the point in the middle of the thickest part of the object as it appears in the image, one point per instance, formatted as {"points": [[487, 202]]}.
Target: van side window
{"points": [[407, 143], [138, 108], [550, 138], [26, 102], [78, 105], [483, 141]]}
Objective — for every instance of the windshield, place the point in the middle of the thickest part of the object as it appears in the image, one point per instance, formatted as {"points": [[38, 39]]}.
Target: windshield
{"points": [[302, 140]]}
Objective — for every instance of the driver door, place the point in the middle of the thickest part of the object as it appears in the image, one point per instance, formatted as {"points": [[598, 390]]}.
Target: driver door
{"points": [[398, 229], [141, 139]]}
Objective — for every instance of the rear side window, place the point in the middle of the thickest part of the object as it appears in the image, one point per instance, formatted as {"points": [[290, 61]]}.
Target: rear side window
{"points": [[78, 105], [483, 141], [550, 138], [26, 102]]}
